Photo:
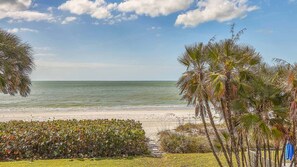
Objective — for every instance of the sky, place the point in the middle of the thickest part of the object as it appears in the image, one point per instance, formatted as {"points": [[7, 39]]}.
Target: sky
{"points": [[141, 39]]}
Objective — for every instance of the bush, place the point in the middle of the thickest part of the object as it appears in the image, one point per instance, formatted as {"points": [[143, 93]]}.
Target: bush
{"points": [[173, 142], [198, 129], [71, 139], [190, 138]]}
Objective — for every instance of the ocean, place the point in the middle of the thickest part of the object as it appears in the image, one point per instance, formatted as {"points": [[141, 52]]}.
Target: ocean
{"points": [[101, 94]]}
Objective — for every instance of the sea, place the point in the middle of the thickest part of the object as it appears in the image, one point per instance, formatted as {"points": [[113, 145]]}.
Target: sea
{"points": [[99, 94]]}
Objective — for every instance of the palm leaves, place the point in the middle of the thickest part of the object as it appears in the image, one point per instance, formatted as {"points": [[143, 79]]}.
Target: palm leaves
{"points": [[249, 94], [16, 64], [190, 82]]}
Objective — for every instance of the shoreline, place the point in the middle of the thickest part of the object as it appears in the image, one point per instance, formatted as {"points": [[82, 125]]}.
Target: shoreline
{"points": [[96, 108], [153, 120]]}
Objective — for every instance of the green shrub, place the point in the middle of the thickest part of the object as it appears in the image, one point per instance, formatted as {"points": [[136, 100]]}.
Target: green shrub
{"points": [[180, 143], [190, 138], [198, 129], [71, 139]]}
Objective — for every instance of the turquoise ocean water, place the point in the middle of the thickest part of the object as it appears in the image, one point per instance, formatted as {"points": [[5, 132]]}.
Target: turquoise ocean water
{"points": [[105, 94]]}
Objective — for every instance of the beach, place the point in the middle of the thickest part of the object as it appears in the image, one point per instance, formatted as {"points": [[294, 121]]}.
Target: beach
{"points": [[153, 120], [156, 104]]}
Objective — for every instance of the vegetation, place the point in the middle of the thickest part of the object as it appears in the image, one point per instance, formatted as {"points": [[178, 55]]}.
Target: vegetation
{"points": [[257, 102], [197, 129], [71, 139], [188, 138], [169, 160], [173, 142], [16, 63]]}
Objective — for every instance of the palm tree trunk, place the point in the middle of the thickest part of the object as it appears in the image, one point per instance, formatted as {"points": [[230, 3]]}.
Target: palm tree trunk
{"points": [[257, 153], [243, 158], [201, 108], [292, 162], [269, 151], [283, 154], [216, 131], [229, 117], [260, 156], [229, 149], [224, 113], [265, 154], [275, 157], [248, 150]]}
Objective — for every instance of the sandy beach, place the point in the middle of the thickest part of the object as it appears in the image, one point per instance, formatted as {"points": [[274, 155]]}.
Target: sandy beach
{"points": [[153, 120]]}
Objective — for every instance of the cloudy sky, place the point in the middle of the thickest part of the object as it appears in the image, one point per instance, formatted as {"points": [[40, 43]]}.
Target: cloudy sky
{"points": [[141, 39]]}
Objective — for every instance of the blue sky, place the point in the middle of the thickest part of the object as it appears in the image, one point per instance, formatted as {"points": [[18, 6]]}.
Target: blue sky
{"points": [[141, 39]]}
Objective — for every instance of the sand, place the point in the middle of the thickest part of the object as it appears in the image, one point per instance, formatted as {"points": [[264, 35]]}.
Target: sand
{"points": [[153, 120]]}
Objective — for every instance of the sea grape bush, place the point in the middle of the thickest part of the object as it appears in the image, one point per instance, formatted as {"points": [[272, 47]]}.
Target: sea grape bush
{"points": [[71, 139]]}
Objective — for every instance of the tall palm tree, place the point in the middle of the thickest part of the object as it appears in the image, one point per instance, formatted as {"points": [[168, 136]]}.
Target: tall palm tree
{"points": [[287, 74], [211, 76], [227, 60], [16, 64], [263, 110], [192, 86], [250, 96]]}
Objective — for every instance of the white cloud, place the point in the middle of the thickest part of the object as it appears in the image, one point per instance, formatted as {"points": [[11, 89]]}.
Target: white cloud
{"points": [[68, 20], [50, 9], [154, 8], [27, 16], [214, 10], [18, 10], [98, 9], [16, 30], [14, 5], [121, 17]]}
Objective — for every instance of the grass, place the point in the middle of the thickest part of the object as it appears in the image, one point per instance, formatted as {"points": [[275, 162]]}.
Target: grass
{"points": [[168, 160]]}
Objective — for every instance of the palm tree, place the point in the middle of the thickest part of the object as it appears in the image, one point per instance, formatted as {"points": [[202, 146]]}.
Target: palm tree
{"points": [[192, 86], [287, 74], [227, 60], [263, 111], [16, 64], [248, 94], [212, 71]]}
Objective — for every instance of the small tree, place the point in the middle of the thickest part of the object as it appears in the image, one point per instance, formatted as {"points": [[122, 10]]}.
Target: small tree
{"points": [[16, 64]]}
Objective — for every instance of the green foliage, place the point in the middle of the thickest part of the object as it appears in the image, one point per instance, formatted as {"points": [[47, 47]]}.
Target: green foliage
{"points": [[197, 129], [180, 143], [16, 64], [188, 138], [71, 139]]}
